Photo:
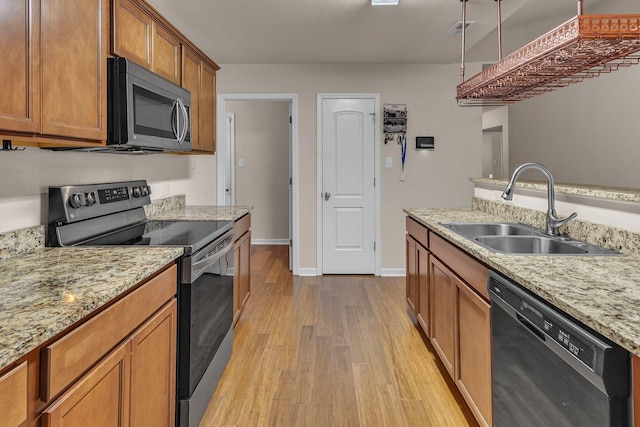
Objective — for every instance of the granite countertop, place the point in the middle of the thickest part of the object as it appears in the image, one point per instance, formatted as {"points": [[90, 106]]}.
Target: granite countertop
{"points": [[44, 292], [601, 291], [201, 213], [602, 192]]}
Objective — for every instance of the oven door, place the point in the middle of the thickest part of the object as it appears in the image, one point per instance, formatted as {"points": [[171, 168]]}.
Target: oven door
{"points": [[205, 319]]}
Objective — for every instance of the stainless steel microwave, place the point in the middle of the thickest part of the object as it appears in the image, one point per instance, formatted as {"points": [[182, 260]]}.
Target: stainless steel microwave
{"points": [[145, 112]]}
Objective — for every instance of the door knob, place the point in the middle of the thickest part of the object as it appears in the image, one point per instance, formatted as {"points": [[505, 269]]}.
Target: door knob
{"points": [[327, 195]]}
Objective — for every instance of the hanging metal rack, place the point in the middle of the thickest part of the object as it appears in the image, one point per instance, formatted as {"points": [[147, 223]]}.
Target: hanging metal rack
{"points": [[582, 47]]}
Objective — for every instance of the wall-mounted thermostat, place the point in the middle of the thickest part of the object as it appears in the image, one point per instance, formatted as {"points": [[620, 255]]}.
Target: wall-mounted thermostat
{"points": [[425, 143]]}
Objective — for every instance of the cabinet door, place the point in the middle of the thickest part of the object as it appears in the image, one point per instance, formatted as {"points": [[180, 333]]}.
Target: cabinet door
{"points": [[19, 73], [242, 273], [191, 74], [237, 306], [100, 398], [13, 396], [132, 32], [424, 289], [207, 114], [73, 66], [245, 268], [153, 370], [443, 313], [166, 54], [412, 274], [474, 353]]}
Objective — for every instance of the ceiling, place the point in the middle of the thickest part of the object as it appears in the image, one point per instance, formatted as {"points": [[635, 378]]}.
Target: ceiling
{"points": [[343, 31]]}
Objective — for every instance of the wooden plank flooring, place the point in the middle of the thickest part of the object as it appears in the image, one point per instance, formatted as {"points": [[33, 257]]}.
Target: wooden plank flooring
{"points": [[330, 351]]}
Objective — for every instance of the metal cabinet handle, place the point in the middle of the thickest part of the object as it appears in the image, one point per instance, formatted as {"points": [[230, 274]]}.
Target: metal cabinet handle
{"points": [[327, 196]]}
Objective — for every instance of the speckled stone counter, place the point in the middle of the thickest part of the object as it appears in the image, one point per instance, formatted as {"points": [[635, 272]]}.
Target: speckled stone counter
{"points": [[601, 291], [44, 292], [202, 213], [21, 241], [611, 193]]}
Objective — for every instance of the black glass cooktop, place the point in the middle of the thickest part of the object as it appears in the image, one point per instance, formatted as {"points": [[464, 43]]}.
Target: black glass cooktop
{"points": [[192, 235]]}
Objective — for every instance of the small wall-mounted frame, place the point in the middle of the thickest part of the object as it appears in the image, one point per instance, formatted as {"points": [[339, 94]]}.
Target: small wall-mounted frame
{"points": [[425, 143]]}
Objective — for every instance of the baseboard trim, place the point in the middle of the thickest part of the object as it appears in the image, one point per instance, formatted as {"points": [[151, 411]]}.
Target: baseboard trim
{"points": [[307, 272], [393, 272], [269, 241]]}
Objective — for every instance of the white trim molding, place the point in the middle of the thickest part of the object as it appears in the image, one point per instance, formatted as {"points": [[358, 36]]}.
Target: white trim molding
{"points": [[393, 272], [220, 135], [269, 241]]}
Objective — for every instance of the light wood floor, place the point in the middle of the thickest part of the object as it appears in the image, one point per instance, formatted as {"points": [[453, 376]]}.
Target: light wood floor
{"points": [[330, 351]]}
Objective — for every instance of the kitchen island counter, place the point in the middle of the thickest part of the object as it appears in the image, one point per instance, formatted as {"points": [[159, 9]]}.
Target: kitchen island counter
{"points": [[603, 292], [44, 292]]}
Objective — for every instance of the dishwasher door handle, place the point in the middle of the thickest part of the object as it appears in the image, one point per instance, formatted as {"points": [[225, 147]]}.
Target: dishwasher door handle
{"points": [[531, 327]]}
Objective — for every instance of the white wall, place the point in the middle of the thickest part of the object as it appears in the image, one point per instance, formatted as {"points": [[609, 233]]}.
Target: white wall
{"points": [[262, 141], [434, 178], [26, 176]]}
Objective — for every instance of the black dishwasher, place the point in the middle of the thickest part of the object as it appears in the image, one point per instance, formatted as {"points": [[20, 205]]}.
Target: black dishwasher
{"points": [[549, 369]]}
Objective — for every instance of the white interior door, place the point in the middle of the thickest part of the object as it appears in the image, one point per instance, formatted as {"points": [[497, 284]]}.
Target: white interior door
{"points": [[348, 192]]}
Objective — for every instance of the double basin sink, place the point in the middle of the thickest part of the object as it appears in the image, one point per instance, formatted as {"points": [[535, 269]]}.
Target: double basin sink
{"points": [[521, 239]]}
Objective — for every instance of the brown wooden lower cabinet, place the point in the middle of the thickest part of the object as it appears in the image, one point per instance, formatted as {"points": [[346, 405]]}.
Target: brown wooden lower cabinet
{"points": [[132, 386], [100, 398], [241, 265], [452, 308], [13, 396], [473, 370], [412, 274], [153, 370], [424, 289], [443, 313]]}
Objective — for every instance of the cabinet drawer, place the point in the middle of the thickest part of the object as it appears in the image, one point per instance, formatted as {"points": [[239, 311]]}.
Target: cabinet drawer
{"points": [[418, 231], [13, 396], [67, 358], [241, 226], [468, 268]]}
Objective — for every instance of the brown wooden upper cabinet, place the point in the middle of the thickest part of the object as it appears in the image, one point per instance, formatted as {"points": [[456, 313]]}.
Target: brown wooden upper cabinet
{"points": [[138, 36], [141, 34], [199, 78], [54, 73]]}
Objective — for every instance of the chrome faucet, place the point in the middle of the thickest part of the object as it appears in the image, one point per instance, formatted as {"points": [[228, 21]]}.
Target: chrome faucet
{"points": [[553, 222]]}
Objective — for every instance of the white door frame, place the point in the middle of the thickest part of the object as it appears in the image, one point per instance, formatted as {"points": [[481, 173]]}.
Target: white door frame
{"points": [[376, 170], [228, 156], [292, 98]]}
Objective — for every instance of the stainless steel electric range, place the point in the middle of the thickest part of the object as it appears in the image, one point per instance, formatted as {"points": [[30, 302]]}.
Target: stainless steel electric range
{"points": [[112, 214]]}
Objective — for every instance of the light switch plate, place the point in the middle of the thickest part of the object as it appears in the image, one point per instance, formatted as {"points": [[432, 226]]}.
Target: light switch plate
{"points": [[241, 163], [388, 162]]}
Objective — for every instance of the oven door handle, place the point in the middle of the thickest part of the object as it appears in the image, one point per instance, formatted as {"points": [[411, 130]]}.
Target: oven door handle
{"points": [[198, 267]]}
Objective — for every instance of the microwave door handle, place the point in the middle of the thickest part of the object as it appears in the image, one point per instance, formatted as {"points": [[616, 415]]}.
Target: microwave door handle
{"points": [[185, 128], [174, 119]]}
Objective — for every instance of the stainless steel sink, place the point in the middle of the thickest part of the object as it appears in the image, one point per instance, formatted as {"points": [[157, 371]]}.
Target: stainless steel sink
{"points": [[491, 229], [521, 239]]}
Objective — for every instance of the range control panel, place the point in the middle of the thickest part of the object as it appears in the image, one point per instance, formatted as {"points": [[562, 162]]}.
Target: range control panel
{"points": [[74, 203]]}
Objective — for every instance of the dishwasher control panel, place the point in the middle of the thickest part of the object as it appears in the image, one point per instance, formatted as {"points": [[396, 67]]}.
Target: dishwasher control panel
{"points": [[548, 324]]}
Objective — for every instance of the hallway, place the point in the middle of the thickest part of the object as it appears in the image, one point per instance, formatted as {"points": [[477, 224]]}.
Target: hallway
{"points": [[330, 351]]}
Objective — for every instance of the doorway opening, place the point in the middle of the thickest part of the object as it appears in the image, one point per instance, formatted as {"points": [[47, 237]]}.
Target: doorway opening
{"points": [[268, 121], [492, 162]]}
